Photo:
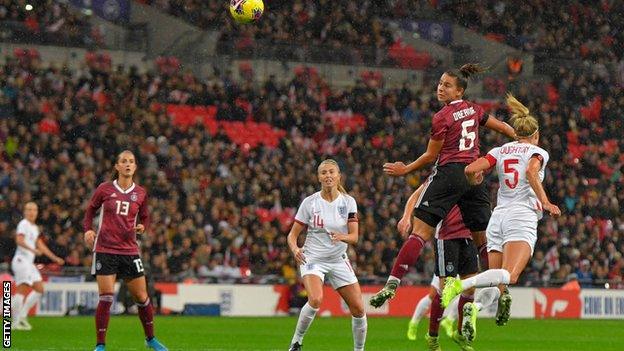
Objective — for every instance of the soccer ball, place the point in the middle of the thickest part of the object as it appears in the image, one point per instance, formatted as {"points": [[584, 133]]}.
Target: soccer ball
{"points": [[246, 11]]}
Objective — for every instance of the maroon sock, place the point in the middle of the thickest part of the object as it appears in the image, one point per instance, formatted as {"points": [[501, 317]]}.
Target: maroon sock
{"points": [[435, 315], [408, 255], [102, 315], [146, 314], [483, 258], [463, 299]]}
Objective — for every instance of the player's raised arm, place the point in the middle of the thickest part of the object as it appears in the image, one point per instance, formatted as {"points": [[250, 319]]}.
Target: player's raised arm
{"points": [[500, 127], [428, 157], [474, 171]]}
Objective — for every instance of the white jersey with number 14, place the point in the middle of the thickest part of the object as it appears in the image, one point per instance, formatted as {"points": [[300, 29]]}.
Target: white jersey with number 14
{"points": [[512, 161]]}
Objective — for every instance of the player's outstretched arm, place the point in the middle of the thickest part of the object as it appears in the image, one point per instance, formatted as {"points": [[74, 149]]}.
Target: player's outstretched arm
{"points": [[474, 171], [500, 127], [532, 174], [399, 168]]}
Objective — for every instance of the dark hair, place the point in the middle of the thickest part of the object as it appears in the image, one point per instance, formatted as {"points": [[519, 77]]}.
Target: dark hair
{"points": [[464, 73], [115, 174]]}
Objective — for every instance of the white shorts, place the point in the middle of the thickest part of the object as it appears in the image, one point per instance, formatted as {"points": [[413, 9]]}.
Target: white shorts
{"points": [[24, 272], [339, 273], [511, 224]]}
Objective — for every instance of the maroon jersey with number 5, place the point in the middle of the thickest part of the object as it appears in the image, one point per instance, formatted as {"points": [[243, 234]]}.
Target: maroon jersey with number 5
{"points": [[458, 125], [120, 211]]}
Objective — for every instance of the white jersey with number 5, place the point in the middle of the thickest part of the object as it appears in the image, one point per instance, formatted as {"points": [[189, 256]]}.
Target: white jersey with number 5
{"points": [[322, 217], [512, 161], [31, 235]]}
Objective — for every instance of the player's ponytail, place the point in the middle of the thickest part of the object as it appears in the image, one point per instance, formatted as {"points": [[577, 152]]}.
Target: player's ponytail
{"points": [[465, 72], [330, 161], [523, 123]]}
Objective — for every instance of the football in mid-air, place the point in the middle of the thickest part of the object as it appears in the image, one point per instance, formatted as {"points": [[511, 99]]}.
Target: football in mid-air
{"points": [[246, 11]]}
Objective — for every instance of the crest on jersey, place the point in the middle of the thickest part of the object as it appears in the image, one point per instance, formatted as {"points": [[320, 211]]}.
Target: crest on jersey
{"points": [[342, 211], [449, 267], [133, 197]]}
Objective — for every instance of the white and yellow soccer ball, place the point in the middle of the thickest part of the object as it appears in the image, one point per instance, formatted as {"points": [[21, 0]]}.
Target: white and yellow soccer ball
{"points": [[246, 11]]}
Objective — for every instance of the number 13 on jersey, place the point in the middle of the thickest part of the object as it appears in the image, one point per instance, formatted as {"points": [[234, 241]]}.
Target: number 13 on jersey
{"points": [[122, 207]]}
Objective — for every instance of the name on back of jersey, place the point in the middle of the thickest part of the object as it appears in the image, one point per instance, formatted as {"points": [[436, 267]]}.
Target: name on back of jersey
{"points": [[461, 114], [514, 149]]}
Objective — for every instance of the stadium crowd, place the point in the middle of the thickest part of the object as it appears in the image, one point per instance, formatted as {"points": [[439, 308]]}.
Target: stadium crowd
{"points": [[221, 210], [316, 31], [46, 21], [590, 32]]}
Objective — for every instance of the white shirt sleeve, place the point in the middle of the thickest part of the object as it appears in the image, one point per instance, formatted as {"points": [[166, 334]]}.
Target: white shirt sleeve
{"points": [[22, 228], [545, 157], [352, 210], [493, 155], [303, 213]]}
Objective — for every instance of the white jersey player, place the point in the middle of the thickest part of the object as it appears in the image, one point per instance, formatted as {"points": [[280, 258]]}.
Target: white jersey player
{"points": [[330, 217], [517, 208], [29, 245], [512, 230]]}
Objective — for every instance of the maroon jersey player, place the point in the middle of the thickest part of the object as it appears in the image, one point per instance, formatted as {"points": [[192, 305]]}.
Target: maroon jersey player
{"points": [[123, 214], [453, 144], [455, 254]]}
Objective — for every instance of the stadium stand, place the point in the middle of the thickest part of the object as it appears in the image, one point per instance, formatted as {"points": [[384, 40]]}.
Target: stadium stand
{"points": [[209, 149]]}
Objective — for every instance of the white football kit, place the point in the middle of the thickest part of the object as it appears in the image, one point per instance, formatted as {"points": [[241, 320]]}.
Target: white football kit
{"points": [[517, 210], [23, 263], [323, 257]]}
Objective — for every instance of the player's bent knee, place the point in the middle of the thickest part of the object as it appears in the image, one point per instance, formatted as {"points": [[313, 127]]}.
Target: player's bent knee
{"points": [[315, 301], [358, 313]]}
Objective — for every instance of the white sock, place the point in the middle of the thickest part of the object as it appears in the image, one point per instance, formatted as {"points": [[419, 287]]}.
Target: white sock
{"points": [[451, 310], [17, 304], [486, 297], [393, 278], [31, 300], [359, 327], [421, 308], [306, 316], [491, 277]]}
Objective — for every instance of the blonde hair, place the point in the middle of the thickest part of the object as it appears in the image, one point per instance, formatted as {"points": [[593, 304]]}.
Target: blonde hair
{"points": [[523, 123], [330, 161]]}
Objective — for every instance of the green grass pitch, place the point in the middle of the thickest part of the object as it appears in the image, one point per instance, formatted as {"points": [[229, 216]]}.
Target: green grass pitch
{"points": [[214, 333]]}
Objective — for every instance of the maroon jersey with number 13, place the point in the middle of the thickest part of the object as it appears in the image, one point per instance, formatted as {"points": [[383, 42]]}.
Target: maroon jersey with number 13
{"points": [[120, 211]]}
